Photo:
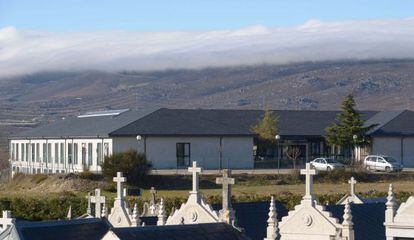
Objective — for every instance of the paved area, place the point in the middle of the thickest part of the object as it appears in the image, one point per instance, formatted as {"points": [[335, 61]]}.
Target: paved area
{"points": [[236, 171]]}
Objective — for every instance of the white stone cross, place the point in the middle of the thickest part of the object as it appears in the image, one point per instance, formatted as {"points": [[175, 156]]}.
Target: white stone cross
{"points": [[98, 200], [352, 181], [88, 210], [309, 172], [119, 179], [6, 220], [226, 181], [195, 170], [153, 193]]}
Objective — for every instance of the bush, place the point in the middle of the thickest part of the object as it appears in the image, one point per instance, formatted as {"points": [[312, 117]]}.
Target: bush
{"points": [[38, 178], [131, 163]]}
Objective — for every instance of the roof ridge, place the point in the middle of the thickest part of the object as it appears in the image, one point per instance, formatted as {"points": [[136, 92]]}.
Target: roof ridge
{"points": [[389, 121]]}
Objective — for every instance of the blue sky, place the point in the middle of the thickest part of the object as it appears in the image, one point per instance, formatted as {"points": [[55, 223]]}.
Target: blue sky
{"points": [[156, 15]]}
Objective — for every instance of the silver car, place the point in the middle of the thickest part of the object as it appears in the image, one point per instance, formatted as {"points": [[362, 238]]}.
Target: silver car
{"points": [[382, 163], [326, 164]]}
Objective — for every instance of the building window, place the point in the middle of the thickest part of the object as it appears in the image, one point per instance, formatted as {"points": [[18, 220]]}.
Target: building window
{"points": [[62, 152], [70, 153], [22, 149], [83, 154], [27, 152], [183, 154], [106, 149], [56, 152], [17, 152], [44, 150], [75, 153], [49, 152], [90, 154], [99, 154], [33, 149], [37, 152]]}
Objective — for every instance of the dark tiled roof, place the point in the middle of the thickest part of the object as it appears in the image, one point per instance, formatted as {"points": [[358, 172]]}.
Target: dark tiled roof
{"points": [[368, 219], [228, 122], [83, 127], [380, 119], [149, 221], [207, 231], [80, 229], [401, 125], [252, 217]]}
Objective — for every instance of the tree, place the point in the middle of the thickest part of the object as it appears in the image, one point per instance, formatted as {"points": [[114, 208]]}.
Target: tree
{"points": [[267, 128], [131, 163], [347, 125], [293, 153]]}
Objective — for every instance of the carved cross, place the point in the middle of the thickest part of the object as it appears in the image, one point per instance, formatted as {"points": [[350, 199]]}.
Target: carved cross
{"points": [[119, 179], [226, 181], [98, 200], [153, 193], [309, 172], [353, 182], [195, 170], [6, 220], [88, 210]]}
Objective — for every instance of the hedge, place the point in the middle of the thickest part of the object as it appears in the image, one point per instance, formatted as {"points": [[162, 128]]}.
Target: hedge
{"points": [[56, 207]]}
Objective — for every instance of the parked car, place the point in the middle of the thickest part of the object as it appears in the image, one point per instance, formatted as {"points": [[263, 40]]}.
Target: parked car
{"points": [[326, 164], [382, 163]]}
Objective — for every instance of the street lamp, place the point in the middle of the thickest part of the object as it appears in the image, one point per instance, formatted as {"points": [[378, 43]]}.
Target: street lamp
{"points": [[139, 139], [277, 138], [355, 138]]}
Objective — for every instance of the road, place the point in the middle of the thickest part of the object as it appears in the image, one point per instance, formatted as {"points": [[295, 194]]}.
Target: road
{"points": [[236, 171]]}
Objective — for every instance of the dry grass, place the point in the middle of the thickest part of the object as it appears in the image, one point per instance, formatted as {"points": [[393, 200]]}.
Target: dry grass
{"points": [[321, 188]]}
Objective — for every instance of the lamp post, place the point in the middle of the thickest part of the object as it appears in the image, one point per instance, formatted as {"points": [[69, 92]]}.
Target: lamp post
{"points": [[355, 138], [277, 138], [139, 139]]}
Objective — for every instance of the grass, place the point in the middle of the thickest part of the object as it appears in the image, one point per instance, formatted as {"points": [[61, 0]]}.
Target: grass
{"points": [[267, 190], [179, 186]]}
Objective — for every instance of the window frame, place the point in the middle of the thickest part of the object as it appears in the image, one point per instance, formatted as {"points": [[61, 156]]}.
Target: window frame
{"points": [[182, 159]]}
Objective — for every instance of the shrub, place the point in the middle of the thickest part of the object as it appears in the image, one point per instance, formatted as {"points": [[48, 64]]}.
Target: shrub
{"points": [[38, 178], [86, 174], [133, 165]]}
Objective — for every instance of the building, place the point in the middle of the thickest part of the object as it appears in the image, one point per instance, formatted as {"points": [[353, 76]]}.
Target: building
{"points": [[68, 145], [216, 139]]}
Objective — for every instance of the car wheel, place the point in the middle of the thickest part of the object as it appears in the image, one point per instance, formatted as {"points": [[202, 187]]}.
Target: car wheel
{"points": [[328, 169], [387, 169]]}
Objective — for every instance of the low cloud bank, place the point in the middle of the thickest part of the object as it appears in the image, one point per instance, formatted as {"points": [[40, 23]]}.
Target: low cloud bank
{"points": [[28, 51]]}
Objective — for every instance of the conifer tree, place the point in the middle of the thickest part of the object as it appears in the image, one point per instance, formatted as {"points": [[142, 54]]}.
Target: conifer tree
{"points": [[347, 125], [267, 128]]}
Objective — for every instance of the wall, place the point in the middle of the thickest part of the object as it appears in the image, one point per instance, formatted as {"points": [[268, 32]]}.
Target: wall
{"points": [[36, 163], [392, 146], [161, 151]]}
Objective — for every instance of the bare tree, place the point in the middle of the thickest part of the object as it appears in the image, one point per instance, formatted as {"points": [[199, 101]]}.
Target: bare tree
{"points": [[293, 154]]}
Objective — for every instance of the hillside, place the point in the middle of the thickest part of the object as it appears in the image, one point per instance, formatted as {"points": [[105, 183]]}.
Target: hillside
{"points": [[26, 101]]}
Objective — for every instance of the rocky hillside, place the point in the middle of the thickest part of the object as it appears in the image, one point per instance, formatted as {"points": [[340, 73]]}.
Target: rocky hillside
{"points": [[26, 101]]}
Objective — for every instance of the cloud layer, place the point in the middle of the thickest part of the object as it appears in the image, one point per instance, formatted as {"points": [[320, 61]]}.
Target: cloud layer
{"points": [[24, 51]]}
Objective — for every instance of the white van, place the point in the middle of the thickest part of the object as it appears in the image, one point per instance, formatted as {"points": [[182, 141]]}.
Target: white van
{"points": [[382, 163]]}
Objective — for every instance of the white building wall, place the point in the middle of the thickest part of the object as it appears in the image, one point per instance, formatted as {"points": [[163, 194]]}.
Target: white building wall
{"points": [[44, 156], [161, 151], [401, 149], [121, 144], [239, 152], [387, 146]]}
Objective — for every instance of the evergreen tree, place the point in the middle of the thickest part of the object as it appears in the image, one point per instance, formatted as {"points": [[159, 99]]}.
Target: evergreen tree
{"points": [[348, 123], [267, 128]]}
